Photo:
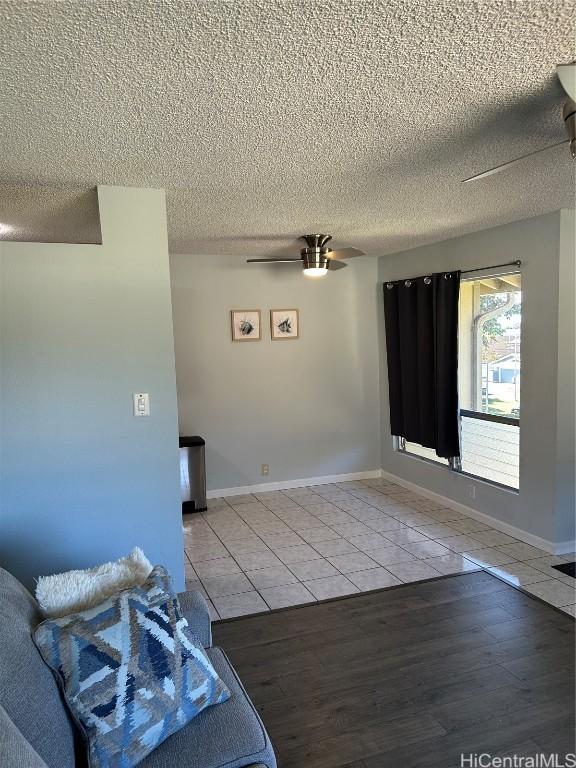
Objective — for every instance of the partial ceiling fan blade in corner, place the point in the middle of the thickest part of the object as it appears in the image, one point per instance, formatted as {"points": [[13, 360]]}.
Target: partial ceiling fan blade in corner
{"points": [[346, 253], [498, 168], [333, 264], [274, 261]]}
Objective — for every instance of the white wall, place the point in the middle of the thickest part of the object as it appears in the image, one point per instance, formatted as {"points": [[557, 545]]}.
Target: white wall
{"points": [[82, 328], [308, 407], [565, 453], [536, 242]]}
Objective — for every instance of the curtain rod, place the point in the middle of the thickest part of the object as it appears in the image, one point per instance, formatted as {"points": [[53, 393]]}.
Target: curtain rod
{"points": [[428, 280], [516, 263]]}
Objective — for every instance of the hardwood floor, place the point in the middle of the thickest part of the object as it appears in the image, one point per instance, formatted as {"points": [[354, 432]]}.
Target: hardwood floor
{"points": [[410, 676]]}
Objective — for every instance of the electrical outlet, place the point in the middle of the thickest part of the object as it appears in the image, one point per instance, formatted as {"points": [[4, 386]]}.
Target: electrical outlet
{"points": [[265, 469], [472, 491]]}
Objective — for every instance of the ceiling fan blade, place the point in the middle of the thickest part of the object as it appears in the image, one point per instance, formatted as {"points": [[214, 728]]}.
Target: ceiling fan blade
{"points": [[498, 168], [346, 253], [274, 261], [333, 264]]}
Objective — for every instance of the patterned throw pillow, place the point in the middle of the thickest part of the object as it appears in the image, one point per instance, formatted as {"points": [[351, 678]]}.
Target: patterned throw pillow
{"points": [[131, 671]]}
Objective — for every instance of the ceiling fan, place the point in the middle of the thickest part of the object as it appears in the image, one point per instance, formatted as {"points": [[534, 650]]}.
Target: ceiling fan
{"points": [[316, 258], [567, 76]]}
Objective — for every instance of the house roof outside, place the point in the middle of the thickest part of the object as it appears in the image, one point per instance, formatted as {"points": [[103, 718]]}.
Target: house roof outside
{"points": [[512, 358]]}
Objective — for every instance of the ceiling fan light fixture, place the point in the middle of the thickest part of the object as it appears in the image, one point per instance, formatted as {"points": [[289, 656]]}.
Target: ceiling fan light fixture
{"points": [[315, 264], [315, 271]]}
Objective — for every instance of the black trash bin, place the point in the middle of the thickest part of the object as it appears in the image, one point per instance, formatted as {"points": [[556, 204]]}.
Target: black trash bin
{"points": [[192, 474]]}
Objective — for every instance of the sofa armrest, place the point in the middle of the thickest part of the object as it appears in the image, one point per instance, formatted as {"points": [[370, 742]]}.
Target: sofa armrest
{"points": [[195, 609], [15, 750]]}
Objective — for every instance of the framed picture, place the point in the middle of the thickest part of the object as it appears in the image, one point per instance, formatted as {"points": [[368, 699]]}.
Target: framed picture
{"points": [[246, 325], [284, 324]]}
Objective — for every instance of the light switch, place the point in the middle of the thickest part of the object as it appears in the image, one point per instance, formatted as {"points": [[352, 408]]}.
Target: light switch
{"points": [[141, 404]]}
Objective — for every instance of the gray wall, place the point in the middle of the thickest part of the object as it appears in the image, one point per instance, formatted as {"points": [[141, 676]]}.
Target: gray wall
{"points": [[83, 327], [565, 453], [536, 242], [309, 407]]}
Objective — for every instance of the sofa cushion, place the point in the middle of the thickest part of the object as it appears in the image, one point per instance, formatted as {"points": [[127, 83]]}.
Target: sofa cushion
{"points": [[15, 751], [132, 672], [230, 735], [28, 690]]}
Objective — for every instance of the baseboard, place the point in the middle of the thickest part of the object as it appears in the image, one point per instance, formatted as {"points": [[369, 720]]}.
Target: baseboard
{"points": [[564, 547], [554, 548], [287, 484]]}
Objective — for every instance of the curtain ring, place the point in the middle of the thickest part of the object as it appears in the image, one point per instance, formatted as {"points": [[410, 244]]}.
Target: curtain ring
{"points": [[408, 283], [447, 275], [389, 285], [427, 280]]}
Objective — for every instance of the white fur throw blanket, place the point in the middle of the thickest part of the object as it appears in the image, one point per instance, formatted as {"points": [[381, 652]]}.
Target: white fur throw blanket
{"points": [[73, 591]]}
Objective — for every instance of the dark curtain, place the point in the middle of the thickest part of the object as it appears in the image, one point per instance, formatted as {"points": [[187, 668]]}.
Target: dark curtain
{"points": [[422, 347]]}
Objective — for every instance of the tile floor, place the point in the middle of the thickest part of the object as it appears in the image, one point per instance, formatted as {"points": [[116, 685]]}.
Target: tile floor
{"points": [[257, 552]]}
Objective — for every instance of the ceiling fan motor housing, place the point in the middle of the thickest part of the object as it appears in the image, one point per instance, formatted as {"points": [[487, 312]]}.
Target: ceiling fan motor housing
{"points": [[315, 255], [315, 260], [316, 242]]}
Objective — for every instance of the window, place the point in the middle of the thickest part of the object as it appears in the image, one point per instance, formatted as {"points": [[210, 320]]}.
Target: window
{"points": [[489, 376]]}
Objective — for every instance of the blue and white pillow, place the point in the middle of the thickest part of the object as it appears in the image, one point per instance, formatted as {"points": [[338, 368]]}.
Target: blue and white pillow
{"points": [[131, 671]]}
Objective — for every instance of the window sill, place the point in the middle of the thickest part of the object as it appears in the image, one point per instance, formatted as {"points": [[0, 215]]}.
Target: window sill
{"points": [[459, 473]]}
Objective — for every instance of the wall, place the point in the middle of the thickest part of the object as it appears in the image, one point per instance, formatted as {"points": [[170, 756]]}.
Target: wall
{"points": [[536, 242], [83, 327], [565, 453], [308, 407]]}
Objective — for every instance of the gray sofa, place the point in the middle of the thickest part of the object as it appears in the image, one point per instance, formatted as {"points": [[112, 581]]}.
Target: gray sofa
{"points": [[36, 730]]}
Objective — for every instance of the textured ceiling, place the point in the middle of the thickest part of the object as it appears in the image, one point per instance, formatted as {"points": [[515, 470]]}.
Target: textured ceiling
{"points": [[264, 119]]}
